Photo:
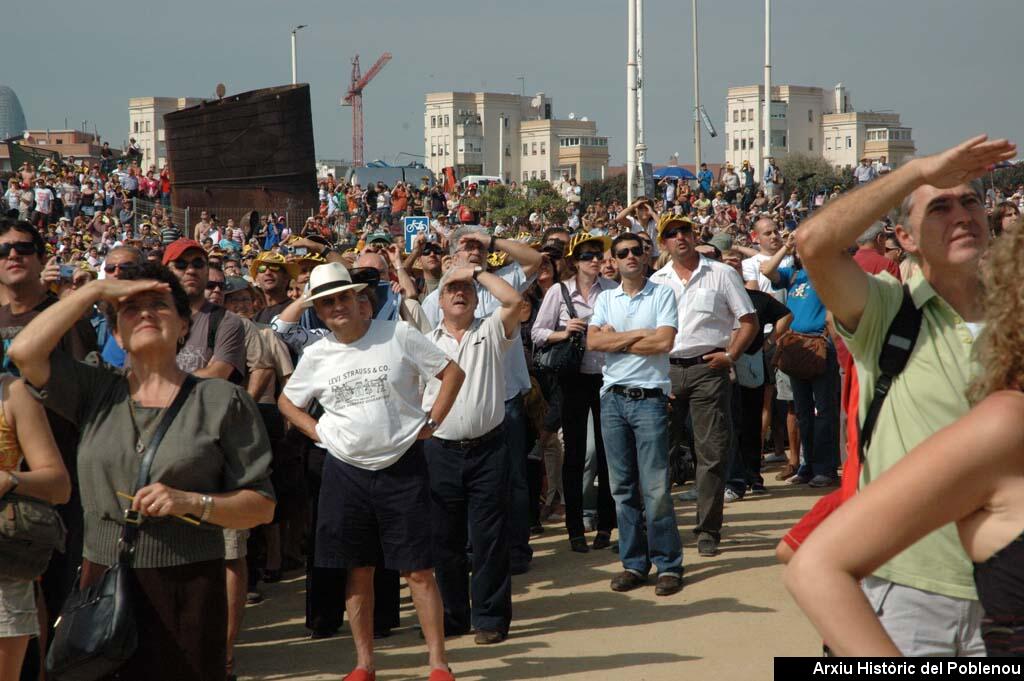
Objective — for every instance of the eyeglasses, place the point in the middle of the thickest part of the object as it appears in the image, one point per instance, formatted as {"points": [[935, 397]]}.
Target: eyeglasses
{"points": [[19, 247], [197, 263], [214, 285], [125, 267], [432, 249], [269, 268], [622, 253], [587, 256], [676, 231]]}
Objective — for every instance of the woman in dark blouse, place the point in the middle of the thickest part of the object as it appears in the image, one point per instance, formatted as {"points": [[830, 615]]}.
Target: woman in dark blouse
{"points": [[212, 465]]}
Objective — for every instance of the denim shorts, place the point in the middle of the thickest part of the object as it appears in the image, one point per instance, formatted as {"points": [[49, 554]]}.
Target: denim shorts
{"points": [[372, 518], [17, 609]]}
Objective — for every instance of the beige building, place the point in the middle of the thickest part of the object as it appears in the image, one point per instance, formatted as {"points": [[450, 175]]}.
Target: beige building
{"points": [[810, 120], [486, 133], [146, 125]]}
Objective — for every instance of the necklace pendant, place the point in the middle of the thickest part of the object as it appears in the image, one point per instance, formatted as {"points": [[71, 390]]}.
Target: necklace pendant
{"points": [[139, 447]]}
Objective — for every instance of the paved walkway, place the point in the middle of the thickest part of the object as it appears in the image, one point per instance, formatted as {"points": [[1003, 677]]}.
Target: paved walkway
{"points": [[732, 617]]}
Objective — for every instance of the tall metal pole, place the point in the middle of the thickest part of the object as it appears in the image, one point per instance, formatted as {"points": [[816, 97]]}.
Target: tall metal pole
{"points": [[641, 147], [294, 78], [767, 82], [696, 96], [630, 99], [501, 147]]}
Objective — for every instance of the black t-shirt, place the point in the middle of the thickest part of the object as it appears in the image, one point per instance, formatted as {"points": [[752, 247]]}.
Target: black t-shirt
{"points": [[769, 311], [267, 314]]}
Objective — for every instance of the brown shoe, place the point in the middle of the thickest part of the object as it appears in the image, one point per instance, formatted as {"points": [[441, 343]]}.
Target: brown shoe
{"points": [[627, 581], [668, 584], [787, 472], [486, 638]]}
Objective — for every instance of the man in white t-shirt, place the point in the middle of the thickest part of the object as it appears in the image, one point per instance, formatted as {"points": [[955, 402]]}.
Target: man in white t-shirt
{"points": [[770, 239], [468, 458], [375, 494], [43, 197]]}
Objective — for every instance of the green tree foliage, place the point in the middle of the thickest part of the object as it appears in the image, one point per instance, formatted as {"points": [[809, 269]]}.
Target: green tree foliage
{"points": [[810, 175], [1007, 179], [506, 207], [606, 190]]}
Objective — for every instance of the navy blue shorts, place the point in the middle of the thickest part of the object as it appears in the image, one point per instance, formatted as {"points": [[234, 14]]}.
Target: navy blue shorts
{"points": [[366, 516]]}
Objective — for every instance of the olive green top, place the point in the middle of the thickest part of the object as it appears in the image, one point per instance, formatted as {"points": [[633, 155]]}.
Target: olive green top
{"points": [[217, 443]]}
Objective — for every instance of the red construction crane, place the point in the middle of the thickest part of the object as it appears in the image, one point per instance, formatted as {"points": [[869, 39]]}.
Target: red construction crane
{"points": [[354, 98]]}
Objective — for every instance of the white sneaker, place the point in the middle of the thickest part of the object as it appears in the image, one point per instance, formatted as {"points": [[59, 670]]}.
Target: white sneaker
{"points": [[731, 496]]}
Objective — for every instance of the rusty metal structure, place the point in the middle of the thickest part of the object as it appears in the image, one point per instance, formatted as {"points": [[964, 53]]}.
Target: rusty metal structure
{"points": [[354, 98], [245, 152]]}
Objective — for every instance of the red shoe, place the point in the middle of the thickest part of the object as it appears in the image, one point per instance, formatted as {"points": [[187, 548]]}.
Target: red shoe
{"points": [[361, 675], [441, 675]]}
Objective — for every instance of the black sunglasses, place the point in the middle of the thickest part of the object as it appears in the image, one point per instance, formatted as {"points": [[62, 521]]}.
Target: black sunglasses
{"points": [[123, 266], [19, 247], [629, 250], [553, 252], [214, 285], [197, 263], [431, 249], [587, 256], [365, 275], [676, 231]]}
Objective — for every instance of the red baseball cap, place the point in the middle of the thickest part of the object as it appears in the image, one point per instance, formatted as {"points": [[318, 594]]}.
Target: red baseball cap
{"points": [[176, 248]]}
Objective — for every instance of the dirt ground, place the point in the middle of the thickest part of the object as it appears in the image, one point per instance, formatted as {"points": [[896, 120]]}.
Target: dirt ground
{"points": [[730, 620]]}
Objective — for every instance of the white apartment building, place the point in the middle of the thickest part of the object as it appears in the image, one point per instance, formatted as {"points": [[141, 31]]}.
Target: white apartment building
{"points": [[811, 120], [146, 125], [486, 133]]}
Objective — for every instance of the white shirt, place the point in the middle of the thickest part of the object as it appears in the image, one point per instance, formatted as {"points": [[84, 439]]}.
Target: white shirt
{"points": [[652, 231], [752, 272], [709, 306], [370, 391], [480, 405]]}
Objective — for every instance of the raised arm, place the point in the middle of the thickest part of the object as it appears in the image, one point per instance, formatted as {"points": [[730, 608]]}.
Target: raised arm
{"points": [[770, 267], [942, 480], [823, 238]]}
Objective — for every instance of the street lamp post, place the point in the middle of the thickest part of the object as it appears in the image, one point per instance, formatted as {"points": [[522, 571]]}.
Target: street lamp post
{"points": [[294, 31]]}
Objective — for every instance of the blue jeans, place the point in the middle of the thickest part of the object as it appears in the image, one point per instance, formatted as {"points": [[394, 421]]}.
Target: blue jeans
{"points": [[816, 403], [636, 442]]}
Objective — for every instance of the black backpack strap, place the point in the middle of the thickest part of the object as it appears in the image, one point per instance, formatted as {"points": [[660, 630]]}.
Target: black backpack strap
{"points": [[216, 317], [568, 300], [132, 520], [897, 347]]}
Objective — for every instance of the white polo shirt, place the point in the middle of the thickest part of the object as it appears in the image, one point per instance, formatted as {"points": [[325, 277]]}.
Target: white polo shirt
{"points": [[709, 306], [480, 405], [370, 391]]}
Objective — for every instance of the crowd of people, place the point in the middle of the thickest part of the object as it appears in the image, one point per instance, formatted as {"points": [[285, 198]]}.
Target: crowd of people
{"points": [[375, 411]]}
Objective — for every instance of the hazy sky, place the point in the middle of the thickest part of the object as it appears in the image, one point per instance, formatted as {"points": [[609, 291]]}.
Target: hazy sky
{"points": [[950, 68]]}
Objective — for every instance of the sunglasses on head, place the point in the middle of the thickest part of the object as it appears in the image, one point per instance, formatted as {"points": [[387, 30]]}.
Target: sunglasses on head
{"points": [[19, 247], [123, 266], [622, 253], [182, 264], [587, 256]]}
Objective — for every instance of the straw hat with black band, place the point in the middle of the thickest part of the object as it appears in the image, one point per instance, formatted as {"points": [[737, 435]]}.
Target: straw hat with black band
{"points": [[587, 238], [672, 220], [326, 280]]}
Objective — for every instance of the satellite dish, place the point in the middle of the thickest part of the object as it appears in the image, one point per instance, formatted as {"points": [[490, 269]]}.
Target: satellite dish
{"points": [[584, 118], [220, 90], [572, 116], [537, 101]]}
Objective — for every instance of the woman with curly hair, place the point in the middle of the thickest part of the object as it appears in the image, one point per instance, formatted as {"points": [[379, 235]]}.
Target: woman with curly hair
{"points": [[970, 473]]}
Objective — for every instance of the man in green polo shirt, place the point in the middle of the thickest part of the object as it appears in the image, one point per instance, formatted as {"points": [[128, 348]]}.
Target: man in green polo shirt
{"points": [[924, 596]]}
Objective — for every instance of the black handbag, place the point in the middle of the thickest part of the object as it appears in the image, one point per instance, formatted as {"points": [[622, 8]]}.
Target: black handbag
{"points": [[96, 632], [563, 358]]}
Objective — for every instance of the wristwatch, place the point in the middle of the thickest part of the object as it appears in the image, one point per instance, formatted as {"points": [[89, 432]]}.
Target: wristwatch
{"points": [[476, 271], [14, 482], [432, 424], [207, 502], [731, 358]]}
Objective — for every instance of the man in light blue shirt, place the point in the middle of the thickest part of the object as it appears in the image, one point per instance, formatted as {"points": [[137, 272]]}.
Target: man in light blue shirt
{"points": [[635, 325]]}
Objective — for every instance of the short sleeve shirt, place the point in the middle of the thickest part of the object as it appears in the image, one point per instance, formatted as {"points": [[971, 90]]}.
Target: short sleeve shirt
{"points": [[802, 299], [653, 307], [228, 346], [370, 391]]}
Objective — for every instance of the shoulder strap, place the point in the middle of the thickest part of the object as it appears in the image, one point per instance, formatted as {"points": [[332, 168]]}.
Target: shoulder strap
{"points": [[131, 528], [216, 317], [568, 300], [896, 350]]}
